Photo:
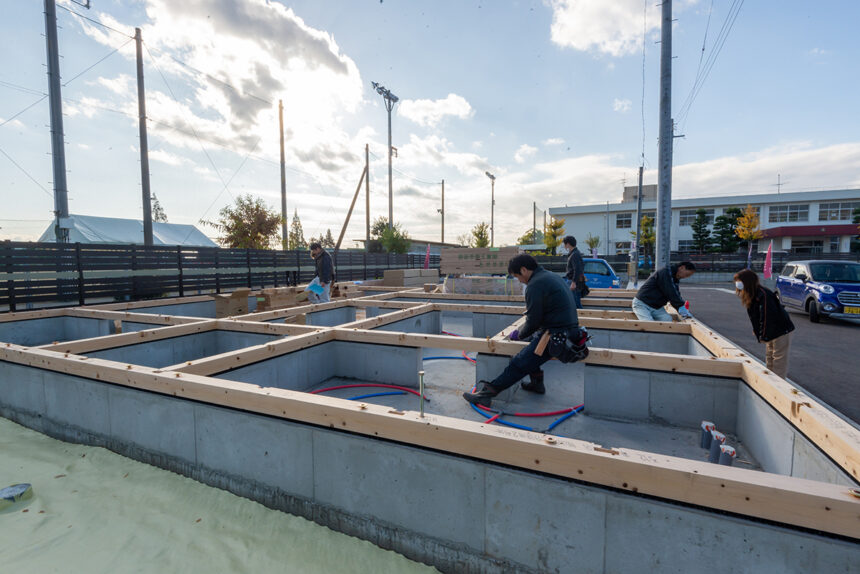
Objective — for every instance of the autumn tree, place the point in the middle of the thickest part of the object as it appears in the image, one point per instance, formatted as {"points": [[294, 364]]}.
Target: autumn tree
{"points": [[249, 224], [480, 235], [647, 235], [748, 225], [531, 237], [553, 234]]}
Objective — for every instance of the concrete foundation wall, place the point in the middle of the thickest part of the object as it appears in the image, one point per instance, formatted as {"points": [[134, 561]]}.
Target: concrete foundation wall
{"points": [[331, 317], [458, 514], [166, 352], [205, 309], [489, 324], [377, 311], [429, 323], [677, 344], [305, 369], [35, 332]]}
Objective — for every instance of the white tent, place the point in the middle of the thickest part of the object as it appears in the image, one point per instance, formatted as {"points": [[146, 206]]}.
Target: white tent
{"points": [[91, 229]]}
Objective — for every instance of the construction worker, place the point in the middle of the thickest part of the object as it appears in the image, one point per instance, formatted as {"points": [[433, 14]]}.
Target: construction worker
{"points": [[662, 288], [549, 309], [575, 272], [324, 272]]}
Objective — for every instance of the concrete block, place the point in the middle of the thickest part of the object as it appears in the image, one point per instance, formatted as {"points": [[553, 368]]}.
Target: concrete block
{"points": [[551, 525], [432, 494], [77, 402], [651, 536], [767, 436], [22, 388], [154, 422], [618, 393], [271, 452]]}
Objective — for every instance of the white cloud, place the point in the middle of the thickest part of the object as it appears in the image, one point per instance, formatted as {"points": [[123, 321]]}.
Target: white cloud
{"points": [[166, 157], [122, 84], [622, 106], [553, 141], [606, 27], [819, 52], [430, 112], [524, 152]]}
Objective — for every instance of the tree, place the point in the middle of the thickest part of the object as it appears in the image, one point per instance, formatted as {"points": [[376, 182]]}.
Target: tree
{"points": [[725, 239], [553, 234], [647, 235], [296, 238], [701, 233], [480, 235], [593, 242], [531, 237], [465, 239], [393, 240], [748, 225], [328, 240], [249, 224], [158, 214], [380, 224]]}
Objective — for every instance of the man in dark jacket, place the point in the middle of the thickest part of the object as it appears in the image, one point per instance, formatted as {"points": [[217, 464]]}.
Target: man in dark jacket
{"points": [[575, 273], [662, 288], [324, 271], [549, 307]]}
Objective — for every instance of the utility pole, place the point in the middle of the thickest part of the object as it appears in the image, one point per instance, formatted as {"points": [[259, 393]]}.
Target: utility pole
{"points": [[366, 197], [285, 238], [58, 152], [534, 222], [492, 204], [144, 146], [634, 253], [390, 100], [664, 168], [442, 211]]}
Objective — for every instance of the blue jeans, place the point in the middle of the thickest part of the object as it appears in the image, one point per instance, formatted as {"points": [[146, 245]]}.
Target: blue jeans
{"points": [[524, 363], [577, 298], [647, 313]]}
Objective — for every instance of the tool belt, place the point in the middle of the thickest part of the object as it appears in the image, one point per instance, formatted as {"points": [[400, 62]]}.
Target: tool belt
{"points": [[569, 346]]}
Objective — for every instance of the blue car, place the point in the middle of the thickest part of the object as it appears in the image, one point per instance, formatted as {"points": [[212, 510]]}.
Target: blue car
{"points": [[821, 288], [599, 275]]}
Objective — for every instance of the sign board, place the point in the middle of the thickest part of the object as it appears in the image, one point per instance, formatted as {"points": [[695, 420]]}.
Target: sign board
{"points": [[482, 260]]}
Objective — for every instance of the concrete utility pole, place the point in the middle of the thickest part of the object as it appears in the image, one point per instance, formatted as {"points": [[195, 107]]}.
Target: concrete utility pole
{"points": [[390, 100], [442, 211], [664, 168], [534, 222], [285, 243], [144, 146], [366, 197], [492, 203], [634, 253], [58, 151]]}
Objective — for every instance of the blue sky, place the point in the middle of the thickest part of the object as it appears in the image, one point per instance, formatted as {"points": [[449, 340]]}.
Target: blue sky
{"points": [[547, 95]]}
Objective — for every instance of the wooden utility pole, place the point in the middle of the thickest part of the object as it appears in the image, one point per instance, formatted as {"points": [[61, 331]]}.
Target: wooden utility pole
{"points": [[144, 146], [349, 213], [284, 233]]}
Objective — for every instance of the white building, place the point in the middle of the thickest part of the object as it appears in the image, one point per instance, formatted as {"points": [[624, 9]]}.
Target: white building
{"points": [[802, 222]]}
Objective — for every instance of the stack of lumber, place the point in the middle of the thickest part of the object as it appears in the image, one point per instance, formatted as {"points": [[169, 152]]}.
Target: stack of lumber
{"points": [[235, 303], [280, 297]]}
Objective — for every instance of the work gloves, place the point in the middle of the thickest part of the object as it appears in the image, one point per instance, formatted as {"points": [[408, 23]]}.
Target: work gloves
{"points": [[514, 335]]}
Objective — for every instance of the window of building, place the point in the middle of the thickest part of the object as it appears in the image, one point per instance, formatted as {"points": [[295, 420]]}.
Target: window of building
{"points": [[841, 211], [623, 220], [622, 246], [788, 213], [688, 216], [807, 246], [686, 245], [834, 244]]}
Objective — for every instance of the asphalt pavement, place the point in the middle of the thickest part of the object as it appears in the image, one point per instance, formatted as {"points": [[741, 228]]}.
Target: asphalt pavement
{"points": [[824, 358]]}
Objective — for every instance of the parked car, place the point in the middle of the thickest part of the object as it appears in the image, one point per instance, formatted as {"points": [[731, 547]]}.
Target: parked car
{"points": [[600, 275], [821, 288]]}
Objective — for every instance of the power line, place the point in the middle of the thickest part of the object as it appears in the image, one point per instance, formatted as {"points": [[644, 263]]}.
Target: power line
{"points": [[24, 110], [102, 24], [24, 89], [407, 176], [114, 51], [42, 187]]}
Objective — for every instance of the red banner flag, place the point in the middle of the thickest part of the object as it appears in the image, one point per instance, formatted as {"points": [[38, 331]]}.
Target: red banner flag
{"points": [[768, 261]]}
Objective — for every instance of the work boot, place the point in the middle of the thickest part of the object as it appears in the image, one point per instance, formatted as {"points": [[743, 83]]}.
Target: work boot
{"points": [[535, 384], [483, 396]]}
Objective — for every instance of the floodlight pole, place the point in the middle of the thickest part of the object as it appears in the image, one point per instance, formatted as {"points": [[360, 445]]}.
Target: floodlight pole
{"points": [[492, 204], [390, 99]]}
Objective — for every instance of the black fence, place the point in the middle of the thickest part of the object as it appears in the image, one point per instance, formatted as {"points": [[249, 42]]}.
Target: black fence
{"points": [[43, 274]]}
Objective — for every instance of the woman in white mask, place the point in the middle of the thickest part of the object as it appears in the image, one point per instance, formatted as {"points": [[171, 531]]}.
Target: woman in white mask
{"points": [[770, 321]]}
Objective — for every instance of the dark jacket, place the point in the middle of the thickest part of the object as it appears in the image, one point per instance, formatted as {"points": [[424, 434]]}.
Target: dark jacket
{"points": [[324, 267], [575, 269], [661, 288], [769, 318], [548, 304]]}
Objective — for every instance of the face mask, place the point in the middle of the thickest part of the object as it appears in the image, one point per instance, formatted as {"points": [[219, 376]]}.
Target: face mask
{"points": [[739, 286]]}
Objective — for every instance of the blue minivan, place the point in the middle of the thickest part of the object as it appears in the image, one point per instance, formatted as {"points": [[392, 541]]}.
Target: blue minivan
{"points": [[600, 275], [821, 288]]}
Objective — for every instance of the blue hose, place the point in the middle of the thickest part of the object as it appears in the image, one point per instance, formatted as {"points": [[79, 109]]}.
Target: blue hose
{"points": [[563, 418], [377, 395], [437, 358], [500, 421]]}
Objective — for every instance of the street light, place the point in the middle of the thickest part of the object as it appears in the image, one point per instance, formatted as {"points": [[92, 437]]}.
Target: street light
{"points": [[492, 203], [390, 100]]}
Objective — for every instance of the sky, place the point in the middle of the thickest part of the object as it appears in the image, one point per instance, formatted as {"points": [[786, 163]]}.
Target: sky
{"points": [[548, 95]]}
